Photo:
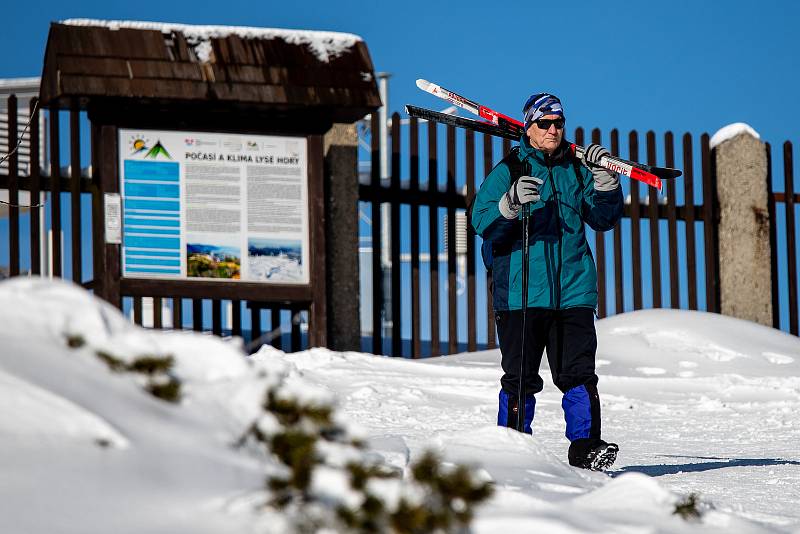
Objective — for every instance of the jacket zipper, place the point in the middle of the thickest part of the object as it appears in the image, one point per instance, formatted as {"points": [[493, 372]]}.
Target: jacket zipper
{"points": [[556, 198]]}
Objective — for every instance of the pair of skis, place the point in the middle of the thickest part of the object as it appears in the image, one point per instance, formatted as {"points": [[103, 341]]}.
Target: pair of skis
{"points": [[500, 125]]}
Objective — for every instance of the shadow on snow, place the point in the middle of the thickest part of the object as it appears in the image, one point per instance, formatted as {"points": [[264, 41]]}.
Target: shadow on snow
{"points": [[695, 467]]}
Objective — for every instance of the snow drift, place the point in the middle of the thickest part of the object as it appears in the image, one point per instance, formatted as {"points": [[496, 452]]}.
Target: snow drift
{"points": [[699, 403]]}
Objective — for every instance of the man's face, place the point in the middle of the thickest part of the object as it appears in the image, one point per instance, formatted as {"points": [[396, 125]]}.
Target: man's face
{"points": [[546, 139]]}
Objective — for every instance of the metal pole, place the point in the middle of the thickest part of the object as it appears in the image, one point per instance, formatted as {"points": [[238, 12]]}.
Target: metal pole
{"points": [[525, 273]]}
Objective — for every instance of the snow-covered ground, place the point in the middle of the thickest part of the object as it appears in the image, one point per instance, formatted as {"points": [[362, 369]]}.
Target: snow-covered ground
{"points": [[698, 403]]}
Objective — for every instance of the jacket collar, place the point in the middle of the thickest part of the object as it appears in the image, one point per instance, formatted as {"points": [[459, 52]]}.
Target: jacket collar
{"points": [[527, 151]]}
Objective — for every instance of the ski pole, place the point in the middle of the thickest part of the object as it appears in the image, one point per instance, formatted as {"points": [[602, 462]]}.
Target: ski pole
{"points": [[525, 272]]}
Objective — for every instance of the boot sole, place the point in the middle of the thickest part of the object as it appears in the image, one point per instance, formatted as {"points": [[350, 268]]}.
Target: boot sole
{"points": [[604, 458]]}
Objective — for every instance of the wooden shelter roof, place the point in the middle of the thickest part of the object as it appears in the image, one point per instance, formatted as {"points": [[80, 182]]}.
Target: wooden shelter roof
{"points": [[250, 67]]}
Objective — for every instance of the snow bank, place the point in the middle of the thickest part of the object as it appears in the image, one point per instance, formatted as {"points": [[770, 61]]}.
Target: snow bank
{"points": [[324, 45], [698, 403], [730, 131]]}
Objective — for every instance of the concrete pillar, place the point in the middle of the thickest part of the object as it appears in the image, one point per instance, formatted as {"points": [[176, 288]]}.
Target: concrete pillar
{"points": [[744, 246], [341, 237]]}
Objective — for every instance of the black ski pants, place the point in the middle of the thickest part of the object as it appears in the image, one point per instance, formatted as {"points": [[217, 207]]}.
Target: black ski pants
{"points": [[569, 337]]}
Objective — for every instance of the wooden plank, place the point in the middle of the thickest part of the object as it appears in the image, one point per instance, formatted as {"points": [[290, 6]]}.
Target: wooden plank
{"points": [[773, 242], [255, 326], [216, 317], [35, 176], [440, 199], [55, 194], [619, 281], [75, 192], [397, 341], [236, 318], [600, 254], [377, 265], [433, 239], [196, 289], [157, 316], [98, 212], [77, 64], [791, 241], [197, 315], [296, 338], [688, 200], [177, 313], [275, 327], [672, 224], [709, 226], [13, 188], [452, 283], [317, 313], [491, 327], [109, 277], [655, 242], [413, 167], [472, 341], [636, 242], [137, 310]]}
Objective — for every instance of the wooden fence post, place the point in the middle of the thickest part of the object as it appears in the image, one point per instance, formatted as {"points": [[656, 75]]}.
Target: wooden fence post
{"points": [[744, 239]]}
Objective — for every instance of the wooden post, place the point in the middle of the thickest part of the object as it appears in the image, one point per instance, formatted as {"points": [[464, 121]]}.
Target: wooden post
{"points": [[452, 300], [106, 180], [433, 237], [75, 192], [688, 201], [416, 345], [397, 341], [317, 327], [13, 188], [491, 328]]}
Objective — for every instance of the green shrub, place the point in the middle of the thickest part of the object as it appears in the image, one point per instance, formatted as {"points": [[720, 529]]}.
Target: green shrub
{"points": [[449, 495], [691, 507], [156, 370], [75, 341]]}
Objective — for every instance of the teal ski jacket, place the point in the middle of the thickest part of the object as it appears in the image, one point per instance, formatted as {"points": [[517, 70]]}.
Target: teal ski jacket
{"points": [[562, 271]]}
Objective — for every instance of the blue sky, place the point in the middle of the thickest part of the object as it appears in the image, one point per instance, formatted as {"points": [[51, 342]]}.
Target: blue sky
{"points": [[683, 65]]}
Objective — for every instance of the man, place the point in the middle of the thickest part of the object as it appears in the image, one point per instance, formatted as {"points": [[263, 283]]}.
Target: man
{"points": [[562, 193]]}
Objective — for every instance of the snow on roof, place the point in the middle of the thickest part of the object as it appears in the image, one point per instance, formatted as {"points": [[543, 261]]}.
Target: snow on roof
{"points": [[325, 45], [730, 131], [24, 83]]}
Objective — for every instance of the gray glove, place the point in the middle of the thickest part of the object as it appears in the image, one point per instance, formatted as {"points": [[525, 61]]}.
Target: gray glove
{"points": [[592, 156], [523, 191], [604, 180]]}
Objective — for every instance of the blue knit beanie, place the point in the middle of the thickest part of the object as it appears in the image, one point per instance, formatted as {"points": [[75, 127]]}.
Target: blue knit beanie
{"points": [[539, 105]]}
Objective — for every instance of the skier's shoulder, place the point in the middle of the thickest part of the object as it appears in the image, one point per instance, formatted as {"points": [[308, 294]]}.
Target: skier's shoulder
{"points": [[509, 167]]}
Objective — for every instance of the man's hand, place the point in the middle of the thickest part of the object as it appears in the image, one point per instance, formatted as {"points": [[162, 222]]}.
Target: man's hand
{"points": [[604, 180], [592, 156], [523, 191]]}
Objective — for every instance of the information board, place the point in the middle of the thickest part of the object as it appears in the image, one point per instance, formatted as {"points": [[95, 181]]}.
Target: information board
{"points": [[212, 206]]}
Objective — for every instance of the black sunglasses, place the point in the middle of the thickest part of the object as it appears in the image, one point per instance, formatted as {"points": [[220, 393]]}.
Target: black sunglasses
{"points": [[544, 124]]}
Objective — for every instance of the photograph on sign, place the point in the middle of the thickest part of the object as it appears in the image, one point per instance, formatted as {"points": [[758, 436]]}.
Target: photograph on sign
{"points": [[212, 206]]}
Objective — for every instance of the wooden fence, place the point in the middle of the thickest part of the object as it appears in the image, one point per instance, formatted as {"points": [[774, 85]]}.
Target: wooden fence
{"points": [[681, 277], [656, 257], [64, 188], [783, 203]]}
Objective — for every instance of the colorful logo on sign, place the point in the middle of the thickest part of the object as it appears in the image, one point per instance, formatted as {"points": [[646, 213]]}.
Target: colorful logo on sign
{"points": [[157, 150], [140, 144]]}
